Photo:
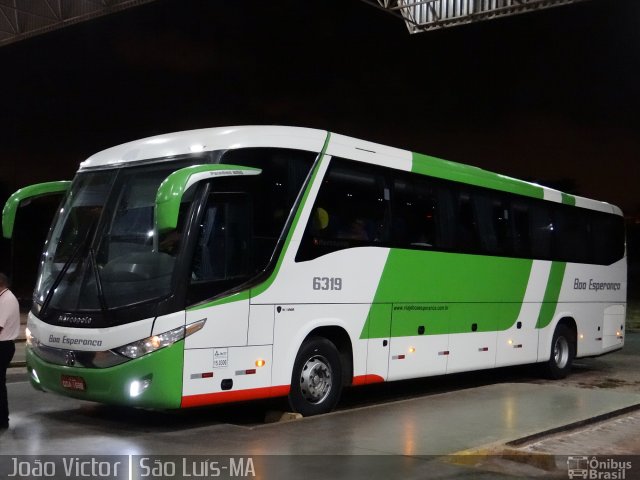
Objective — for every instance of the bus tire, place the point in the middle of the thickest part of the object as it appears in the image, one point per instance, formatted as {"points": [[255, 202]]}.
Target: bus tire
{"points": [[316, 380], [563, 351]]}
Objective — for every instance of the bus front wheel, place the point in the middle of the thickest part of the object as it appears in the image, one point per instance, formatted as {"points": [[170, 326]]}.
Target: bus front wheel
{"points": [[316, 381], [563, 351]]}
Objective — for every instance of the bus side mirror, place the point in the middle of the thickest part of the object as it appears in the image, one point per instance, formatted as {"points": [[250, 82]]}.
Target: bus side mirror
{"points": [[25, 194], [172, 189]]}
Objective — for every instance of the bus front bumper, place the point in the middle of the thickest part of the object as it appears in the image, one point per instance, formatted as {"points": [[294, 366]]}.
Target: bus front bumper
{"points": [[151, 381]]}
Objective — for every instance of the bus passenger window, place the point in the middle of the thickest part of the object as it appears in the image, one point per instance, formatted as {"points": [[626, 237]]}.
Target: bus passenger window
{"points": [[351, 210], [522, 235], [415, 213], [541, 230], [357, 229], [571, 237], [283, 172], [466, 236], [501, 218], [489, 216], [244, 218], [607, 237]]}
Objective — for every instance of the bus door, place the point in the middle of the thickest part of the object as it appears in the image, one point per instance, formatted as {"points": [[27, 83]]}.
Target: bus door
{"points": [[222, 259]]}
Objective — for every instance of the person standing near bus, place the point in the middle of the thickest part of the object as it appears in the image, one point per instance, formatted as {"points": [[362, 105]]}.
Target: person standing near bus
{"points": [[9, 328]]}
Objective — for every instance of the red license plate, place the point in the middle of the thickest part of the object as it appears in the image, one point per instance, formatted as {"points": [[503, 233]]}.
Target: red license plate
{"points": [[73, 383]]}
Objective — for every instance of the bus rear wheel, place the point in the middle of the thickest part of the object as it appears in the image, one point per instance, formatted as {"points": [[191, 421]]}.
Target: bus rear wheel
{"points": [[316, 381], [563, 351]]}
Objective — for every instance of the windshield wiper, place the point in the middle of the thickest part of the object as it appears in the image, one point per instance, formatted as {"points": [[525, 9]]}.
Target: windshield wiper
{"points": [[59, 278], [65, 267], [96, 274]]}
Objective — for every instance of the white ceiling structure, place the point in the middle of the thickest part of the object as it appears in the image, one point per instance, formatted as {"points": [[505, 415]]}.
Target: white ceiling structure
{"points": [[20, 19], [425, 15]]}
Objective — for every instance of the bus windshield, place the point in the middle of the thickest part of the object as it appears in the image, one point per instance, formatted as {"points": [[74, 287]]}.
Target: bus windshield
{"points": [[101, 252], [104, 253]]}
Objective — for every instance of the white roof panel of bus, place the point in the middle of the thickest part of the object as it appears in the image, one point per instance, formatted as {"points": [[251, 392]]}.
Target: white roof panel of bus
{"points": [[209, 139]]}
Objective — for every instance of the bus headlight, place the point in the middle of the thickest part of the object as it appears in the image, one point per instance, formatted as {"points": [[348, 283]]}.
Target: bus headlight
{"points": [[151, 344], [148, 345], [30, 339]]}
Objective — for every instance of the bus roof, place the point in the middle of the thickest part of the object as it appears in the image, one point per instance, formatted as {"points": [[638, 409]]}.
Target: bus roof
{"points": [[207, 139], [192, 141]]}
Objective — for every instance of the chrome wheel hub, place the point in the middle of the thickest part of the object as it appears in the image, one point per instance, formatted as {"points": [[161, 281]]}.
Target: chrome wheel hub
{"points": [[316, 379], [561, 352]]}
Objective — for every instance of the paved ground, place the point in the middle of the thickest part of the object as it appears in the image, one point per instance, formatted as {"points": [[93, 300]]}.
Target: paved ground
{"points": [[612, 441], [428, 428], [610, 437], [439, 424], [545, 455]]}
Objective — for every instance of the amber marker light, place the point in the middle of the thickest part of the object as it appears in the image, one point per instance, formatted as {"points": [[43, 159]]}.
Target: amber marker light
{"points": [[412, 349], [260, 363]]}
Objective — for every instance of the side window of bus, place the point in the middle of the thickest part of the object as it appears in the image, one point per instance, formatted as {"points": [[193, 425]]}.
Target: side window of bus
{"points": [[587, 236], [541, 228], [224, 249], [274, 191], [351, 210], [223, 255], [171, 242], [466, 233], [521, 221], [421, 213], [244, 217], [571, 234], [608, 237], [494, 222], [502, 226]]}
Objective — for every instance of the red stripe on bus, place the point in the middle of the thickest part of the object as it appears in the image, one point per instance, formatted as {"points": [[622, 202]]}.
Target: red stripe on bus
{"points": [[366, 379], [234, 396]]}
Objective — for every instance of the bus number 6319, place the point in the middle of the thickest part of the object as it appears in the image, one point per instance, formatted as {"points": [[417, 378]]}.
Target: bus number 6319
{"points": [[327, 283]]}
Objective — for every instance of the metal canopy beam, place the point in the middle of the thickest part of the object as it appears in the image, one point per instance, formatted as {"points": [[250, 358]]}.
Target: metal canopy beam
{"points": [[21, 19], [425, 15]]}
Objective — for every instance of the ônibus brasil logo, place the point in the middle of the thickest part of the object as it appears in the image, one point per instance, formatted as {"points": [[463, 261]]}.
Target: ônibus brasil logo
{"points": [[595, 468]]}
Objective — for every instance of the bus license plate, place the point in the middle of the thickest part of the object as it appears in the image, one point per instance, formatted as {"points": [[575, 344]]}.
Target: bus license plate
{"points": [[73, 383]]}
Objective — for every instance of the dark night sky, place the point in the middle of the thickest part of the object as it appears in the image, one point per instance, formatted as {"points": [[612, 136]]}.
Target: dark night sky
{"points": [[547, 96]]}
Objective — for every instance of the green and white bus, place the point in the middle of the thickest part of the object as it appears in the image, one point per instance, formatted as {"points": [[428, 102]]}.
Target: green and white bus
{"points": [[229, 264]]}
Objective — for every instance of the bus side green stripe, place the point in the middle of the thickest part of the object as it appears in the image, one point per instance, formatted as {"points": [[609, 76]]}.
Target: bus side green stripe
{"points": [[446, 293], [568, 199], [551, 294], [457, 172]]}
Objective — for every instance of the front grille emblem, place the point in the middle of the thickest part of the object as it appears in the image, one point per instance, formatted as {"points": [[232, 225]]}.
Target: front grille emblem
{"points": [[69, 358]]}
